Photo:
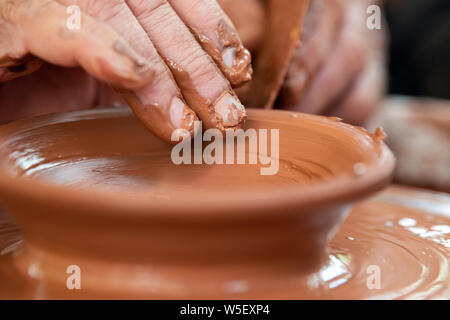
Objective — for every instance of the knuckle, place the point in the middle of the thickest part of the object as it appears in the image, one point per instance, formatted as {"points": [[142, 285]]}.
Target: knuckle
{"points": [[10, 9], [37, 8]]}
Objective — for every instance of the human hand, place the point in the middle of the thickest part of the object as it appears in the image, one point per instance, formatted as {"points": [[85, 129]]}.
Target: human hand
{"points": [[339, 67], [132, 45]]}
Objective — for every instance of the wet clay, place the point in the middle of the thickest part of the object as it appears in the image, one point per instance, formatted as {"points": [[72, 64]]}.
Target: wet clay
{"points": [[202, 106], [11, 68], [234, 60], [405, 232], [151, 228], [161, 121], [282, 36], [156, 119]]}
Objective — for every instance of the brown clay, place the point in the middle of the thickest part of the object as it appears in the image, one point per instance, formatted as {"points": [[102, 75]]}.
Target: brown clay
{"points": [[95, 189], [239, 70], [14, 67], [403, 231], [282, 36]]}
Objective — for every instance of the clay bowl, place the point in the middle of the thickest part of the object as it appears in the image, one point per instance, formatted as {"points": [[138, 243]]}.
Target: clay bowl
{"points": [[96, 190]]}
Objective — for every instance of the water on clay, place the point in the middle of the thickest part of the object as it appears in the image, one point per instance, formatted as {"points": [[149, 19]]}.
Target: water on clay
{"points": [[156, 171], [393, 246]]}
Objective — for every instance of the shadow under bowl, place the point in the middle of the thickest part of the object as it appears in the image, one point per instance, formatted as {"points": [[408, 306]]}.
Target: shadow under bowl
{"points": [[95, 189]]}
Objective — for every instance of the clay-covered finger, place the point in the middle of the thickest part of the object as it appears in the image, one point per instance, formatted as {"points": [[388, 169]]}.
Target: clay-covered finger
{"points": [[160, 105], [202, 84], [218, 37], [90, 46]]}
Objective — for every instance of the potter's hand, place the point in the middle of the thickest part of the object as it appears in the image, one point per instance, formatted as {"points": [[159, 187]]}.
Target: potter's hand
{"points": [[339, 68], [122, 43]]}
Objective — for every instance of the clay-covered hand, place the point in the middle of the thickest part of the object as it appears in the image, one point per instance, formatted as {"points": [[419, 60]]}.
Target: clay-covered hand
{"points": [[50, 61], [339, 67]]}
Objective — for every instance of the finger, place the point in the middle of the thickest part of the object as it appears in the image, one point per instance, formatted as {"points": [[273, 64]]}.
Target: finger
{"points": [[203, 86], [160, 105], [342, 68], [218, 37], [364, 97], [15, 61], [346, 61], [90, 47], [321, 27]]}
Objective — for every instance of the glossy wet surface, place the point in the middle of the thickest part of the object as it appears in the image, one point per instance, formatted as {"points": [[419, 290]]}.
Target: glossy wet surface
{"points": [[395, 245], [156, 171], [109, 148]]}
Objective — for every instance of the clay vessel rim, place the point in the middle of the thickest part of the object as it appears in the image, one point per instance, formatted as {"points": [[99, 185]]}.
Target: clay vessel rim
{"points": [[344, 188]]}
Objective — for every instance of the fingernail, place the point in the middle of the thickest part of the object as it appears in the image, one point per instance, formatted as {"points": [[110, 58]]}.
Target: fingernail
{"points": [[229, 56], [229, 109], [180, 115]]}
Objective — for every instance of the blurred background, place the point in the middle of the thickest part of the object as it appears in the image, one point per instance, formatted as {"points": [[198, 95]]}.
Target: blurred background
{"points": [[420, 47], [416, 115]]}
